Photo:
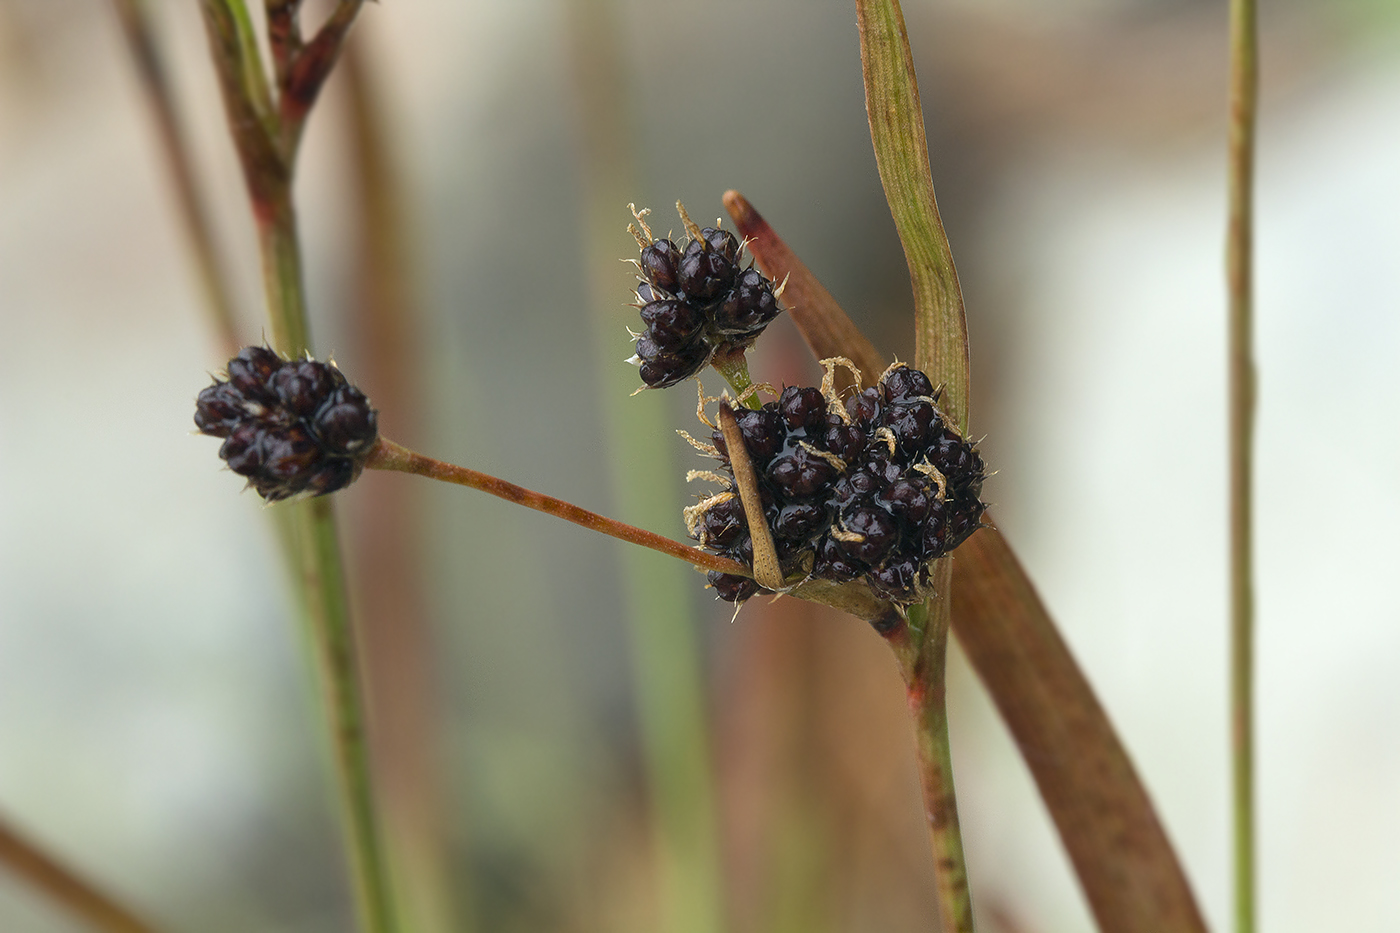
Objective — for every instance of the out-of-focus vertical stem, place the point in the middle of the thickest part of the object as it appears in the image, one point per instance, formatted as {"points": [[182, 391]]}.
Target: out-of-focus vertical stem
{"points": [[670, 694], [386, 519], [64, 886], [139, 29], [1244, 92]]}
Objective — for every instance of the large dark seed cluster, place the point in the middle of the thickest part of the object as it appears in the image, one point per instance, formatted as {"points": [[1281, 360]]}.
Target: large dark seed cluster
{"points": [[874, 488], [292, 427], [696, 301]]}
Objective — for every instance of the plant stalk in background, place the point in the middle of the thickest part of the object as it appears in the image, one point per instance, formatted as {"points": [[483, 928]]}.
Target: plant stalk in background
{"points": [[1244, 93], [266, 133]]}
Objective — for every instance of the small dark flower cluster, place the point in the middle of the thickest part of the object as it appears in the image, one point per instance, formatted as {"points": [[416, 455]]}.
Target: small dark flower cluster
{"points": [[875, 488], [696, 302], [292, 427]]}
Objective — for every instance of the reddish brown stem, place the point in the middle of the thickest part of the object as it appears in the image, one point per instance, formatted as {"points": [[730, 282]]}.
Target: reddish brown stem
{"points": [[390, 456], [56, 880], [822, 322]]}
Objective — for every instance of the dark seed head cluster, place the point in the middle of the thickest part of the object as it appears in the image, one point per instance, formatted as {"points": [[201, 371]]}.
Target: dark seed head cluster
{"points": [[696, 301], [292, 427], [873, 487]]}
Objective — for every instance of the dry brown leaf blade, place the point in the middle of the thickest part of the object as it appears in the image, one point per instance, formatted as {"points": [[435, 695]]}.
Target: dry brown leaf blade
{"points": [[1130, 873]]}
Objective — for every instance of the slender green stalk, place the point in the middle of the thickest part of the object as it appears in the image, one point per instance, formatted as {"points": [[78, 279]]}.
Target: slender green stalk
{"points": [[1244, 92], [266, 146], [64, 886], [734, 367], [940, 342], [923, 662], [901, 154]]}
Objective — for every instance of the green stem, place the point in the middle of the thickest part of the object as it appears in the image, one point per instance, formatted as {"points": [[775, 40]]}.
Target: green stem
{"points": [[321, 581], [921, 649], [734, 367], [1244, 81]]}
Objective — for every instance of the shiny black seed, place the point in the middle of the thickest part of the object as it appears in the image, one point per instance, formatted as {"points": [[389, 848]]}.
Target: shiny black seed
{"points": [[876, 528], [250, 373], [748, 307], [763, 434], [332, 474], [933, 540], [722, 242], [911, 423], [346, 424], [907, 500], [864, 407], [671, 324], [218, 410], [242, 450], [731, 587], [704, 273], [844, 440], [953, 456], [661, 368], [659, 261], [906, 383], [288, 457], [800, 520], [832, 563], [723, 523], [896, 579], [802, 408], [302, 386], [800, 473]]}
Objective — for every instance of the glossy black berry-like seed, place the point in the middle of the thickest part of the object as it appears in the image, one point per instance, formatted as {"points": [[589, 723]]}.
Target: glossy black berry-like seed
{"points": [[803, 408], [832, 563], [346, 424], [864, 407], [763, 433], [723, 523], [844, 440], [671, 324], [896, 579], [906, 499], [242, 449], [732, 588], [661, 368], [218, 410], [906, 383], [876, 497], [799, 521], [748, 307], [250, 373], [722, 242], [911, 423], [303, 385], [872, 533], [800, 473], [658, 262], [703, 274]]}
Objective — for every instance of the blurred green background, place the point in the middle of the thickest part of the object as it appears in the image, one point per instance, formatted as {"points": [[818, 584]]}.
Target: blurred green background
{"points": [[155, 724]]}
